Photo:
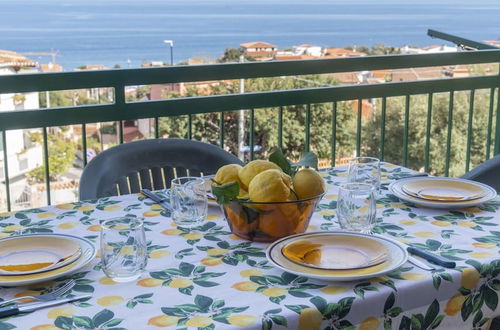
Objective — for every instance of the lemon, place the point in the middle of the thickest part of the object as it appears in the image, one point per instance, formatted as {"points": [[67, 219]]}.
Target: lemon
{"points": [[413, 276], [180, 283], [163, 320], [247, 286], [270, 186], [250, 170], [242, 320], [274, 292], [470, 278], [199, 321], [370, 323], [61, 311], [44, 215], [228, 173], [68, 225], [110, 300], [308, 183], [214, 252], [250, 272], [211, 261], [159, 254], [310, 319], [107, 281], [334, 289], [149, 282], [454, 305]]}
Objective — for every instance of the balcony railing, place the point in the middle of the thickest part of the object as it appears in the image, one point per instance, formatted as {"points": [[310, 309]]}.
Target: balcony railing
{"points": [[278, 100]]}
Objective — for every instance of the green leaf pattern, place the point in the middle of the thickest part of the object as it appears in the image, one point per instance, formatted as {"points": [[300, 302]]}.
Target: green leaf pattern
{"points": [[206, 278]]}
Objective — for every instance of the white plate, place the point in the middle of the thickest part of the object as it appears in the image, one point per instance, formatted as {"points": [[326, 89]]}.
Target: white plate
{"points": [[88, 254], [342, 252], [443, 189], [396, 188], [23, 255], [397, 256]]}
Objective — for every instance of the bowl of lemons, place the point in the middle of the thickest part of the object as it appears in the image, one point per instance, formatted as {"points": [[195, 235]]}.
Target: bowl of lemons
{"points": [[269, 199]]}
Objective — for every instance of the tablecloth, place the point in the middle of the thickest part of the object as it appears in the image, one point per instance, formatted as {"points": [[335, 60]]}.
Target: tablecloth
{"points": [[207, 278]]}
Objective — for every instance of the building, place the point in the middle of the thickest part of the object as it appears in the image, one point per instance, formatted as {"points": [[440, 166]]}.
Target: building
{"points": [[342, 52], [23, 155], [259, 50], [310, 50]]}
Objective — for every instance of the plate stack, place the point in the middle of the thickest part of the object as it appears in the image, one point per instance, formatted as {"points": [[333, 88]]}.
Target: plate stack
{"points": [[36, 258], [446, 193], [337, 256]]}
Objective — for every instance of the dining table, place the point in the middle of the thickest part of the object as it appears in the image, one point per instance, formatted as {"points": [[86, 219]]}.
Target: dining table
{"points": [[205, 277]]}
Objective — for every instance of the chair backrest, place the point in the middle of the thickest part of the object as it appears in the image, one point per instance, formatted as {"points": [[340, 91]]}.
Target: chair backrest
{"points": [[487, 173], [151, 164]]}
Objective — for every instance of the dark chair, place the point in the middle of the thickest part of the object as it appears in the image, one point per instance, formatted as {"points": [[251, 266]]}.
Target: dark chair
{"points": [[487, 173], [151, 164]]}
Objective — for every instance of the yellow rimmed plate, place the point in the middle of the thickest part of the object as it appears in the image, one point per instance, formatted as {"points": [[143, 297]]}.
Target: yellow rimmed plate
{"points": [[22, 255], [87, 255], [343, 252], [396, 189], [443, 189], [396, 257]]}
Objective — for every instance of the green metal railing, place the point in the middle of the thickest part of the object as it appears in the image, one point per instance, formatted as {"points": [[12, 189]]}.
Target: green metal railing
{"points": [[121, 110]]}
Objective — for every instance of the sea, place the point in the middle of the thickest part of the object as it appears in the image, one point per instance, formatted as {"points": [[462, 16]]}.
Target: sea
{"points": [[131, 32]]}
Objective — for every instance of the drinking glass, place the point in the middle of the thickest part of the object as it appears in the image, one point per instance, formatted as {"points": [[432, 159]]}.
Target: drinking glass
{"points": [[188, 198], [356, 207], [364, 170], [123, 248]]}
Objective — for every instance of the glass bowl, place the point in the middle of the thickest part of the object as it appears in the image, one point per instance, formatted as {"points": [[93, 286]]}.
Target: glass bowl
{"points": [[266, 222]]}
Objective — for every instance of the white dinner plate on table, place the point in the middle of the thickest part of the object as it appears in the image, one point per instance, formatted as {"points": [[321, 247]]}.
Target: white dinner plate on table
{"points": [[443, 189], [87, 255], [396, 257], [23, 255], [460, 186], [338, 253]]}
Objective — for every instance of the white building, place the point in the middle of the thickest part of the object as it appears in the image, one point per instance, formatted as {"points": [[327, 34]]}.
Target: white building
{"points": [[429, 49], [309, 50], [22, 154]]}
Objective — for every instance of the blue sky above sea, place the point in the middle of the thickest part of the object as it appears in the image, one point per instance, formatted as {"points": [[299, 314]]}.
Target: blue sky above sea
{"points": [[115, 31]]}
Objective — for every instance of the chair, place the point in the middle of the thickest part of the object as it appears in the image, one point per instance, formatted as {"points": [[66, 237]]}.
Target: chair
{"points": [[487, 173], [151, 164]]}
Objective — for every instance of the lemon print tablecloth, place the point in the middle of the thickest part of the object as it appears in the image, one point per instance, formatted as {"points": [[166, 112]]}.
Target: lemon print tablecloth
{"points": [[207, 278]]}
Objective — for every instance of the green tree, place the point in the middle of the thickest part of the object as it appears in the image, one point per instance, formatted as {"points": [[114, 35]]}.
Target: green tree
{"points": [[394, 130], [233, 55], [61, 157]]}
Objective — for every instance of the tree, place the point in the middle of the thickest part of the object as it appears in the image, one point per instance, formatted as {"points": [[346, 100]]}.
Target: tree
{"points": [[61, 157], [206, 127], [438, 134], [233, 55]]}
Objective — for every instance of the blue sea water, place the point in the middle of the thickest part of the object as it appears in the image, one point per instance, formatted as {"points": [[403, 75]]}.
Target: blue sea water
{"points": [[114, 31]]}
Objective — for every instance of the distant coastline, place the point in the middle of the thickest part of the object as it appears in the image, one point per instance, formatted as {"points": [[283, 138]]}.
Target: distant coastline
{"points": [[129, 32]]}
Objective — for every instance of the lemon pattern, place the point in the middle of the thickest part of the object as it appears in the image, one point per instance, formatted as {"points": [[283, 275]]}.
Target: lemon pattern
{"points": [[208, 278]]}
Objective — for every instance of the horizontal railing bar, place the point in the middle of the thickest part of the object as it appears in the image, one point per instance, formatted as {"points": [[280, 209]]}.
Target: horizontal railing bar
{"points": [[459, 40], [194, 105], [127, 77]]}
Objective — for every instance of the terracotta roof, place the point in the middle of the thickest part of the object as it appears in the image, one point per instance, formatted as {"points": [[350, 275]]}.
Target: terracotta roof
{"points": [[51, 67], [493, 42], [258, 44], [10, 58], [59, 185]]}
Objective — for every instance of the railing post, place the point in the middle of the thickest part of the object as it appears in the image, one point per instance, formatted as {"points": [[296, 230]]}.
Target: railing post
{"points": [[496, 149]]}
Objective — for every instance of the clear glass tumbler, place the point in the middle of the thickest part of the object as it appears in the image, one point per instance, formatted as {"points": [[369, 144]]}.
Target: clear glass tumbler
{"points": [[188, 198], [364, 170], [356, 207], [123, 248]]}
